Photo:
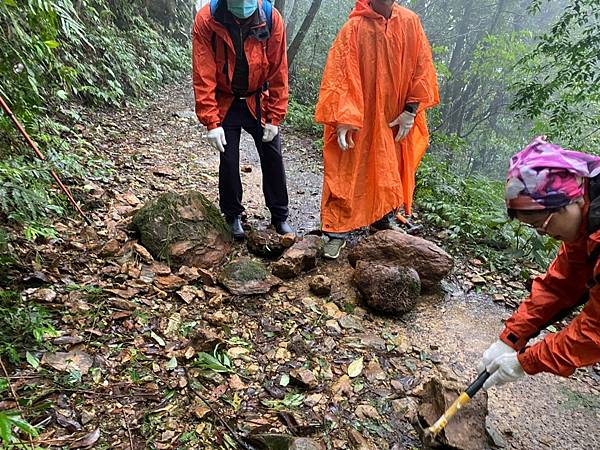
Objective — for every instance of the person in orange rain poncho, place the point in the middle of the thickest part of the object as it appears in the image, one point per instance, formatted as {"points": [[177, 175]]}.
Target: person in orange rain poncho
{"points": [[379, 80]]}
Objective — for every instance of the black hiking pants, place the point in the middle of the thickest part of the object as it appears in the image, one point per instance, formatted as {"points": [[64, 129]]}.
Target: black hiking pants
{"points": [[271, 163]]}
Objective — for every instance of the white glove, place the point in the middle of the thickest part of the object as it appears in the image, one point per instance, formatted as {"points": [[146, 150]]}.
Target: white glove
{"points": [[498, 348], [216, 138], [405, 122], [342, 132], [504, 369], [270, 132]]}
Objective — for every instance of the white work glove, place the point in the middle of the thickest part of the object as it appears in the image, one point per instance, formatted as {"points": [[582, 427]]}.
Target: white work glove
{"points": [[216, 138], [505, 368], [405, 122], [498, 348], [343, 132], [270, 132]]}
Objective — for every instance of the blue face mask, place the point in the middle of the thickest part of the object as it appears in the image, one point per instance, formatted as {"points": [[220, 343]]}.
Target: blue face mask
{"points": [[242, 9]]}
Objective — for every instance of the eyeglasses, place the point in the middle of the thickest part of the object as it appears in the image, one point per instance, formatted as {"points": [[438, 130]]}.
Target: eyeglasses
{"points": [[543, 228]]}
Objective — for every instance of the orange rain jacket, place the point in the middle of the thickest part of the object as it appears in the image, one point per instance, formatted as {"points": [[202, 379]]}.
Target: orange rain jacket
{"points": [[374, 68], [213, 60], [560, 289]]}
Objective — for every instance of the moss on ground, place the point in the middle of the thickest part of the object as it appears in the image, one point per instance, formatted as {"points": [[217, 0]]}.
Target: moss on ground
{"points": [[245, 270]]}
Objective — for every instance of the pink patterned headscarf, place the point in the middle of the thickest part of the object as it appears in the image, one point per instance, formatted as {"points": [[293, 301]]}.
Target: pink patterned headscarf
{"points": [[545, 175]]}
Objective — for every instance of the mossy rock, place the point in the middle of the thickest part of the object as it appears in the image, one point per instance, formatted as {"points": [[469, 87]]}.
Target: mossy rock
{"points": [[183, 229], [245, 276]]}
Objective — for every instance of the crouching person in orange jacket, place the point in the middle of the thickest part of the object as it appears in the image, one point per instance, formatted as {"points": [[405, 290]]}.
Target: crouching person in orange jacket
{"points": [[240, 81], [557, 192]]}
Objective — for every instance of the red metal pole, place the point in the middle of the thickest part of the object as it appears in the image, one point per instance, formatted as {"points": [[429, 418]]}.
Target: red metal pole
{"points": [[43, 158]]}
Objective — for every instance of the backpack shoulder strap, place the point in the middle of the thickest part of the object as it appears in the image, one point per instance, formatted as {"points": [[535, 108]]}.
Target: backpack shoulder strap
{"points": [[267, 8], [213, 6]]}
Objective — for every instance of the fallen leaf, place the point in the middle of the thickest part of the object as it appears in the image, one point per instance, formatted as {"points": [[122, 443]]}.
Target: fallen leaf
{"points": [[171, 364], [173, 325], [284, 380], [342, 385], [157, 338], [69, 361], [236, 383], [366, 412], [88, 440], [201, 411], [355, 368]]}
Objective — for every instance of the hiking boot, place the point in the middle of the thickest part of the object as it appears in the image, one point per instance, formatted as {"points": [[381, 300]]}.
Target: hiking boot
{"points": [[333, 247], [413, 229], [408, 225], [235, 226], [283, 227], [386, 223]]}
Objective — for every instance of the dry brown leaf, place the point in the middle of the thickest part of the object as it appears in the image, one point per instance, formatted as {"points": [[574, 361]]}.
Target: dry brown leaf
{"points": [[66, 361], [88, 440]]}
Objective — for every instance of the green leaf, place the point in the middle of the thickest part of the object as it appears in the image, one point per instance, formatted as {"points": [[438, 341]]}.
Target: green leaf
{"points": [[23, 425], [5, 425], [51, 44], [10, 2], [62, 94], [32, 360]]}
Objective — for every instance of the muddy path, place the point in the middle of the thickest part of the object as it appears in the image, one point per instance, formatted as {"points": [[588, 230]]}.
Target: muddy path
{"points": [[159, 147], [541, 412]]}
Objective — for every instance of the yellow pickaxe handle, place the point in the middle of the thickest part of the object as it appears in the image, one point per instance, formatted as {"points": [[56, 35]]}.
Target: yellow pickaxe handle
{"points": [[462, 400]]}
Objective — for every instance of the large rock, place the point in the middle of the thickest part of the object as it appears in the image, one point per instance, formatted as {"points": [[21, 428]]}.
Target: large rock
{"points": [[387, 288], [466, 430], [299, 257], [183, 229], [400, 249], [245, 276], [266, 243]]}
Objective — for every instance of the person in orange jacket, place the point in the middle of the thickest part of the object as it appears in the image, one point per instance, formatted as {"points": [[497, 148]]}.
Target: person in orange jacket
{"points": [[240, 81], [379, 79], [556, 192]]}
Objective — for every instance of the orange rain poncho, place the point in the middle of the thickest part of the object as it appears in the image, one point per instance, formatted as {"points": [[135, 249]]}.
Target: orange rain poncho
{"points": [[374, 68]]}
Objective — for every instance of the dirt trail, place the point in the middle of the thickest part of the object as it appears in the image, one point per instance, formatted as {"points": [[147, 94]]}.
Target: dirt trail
{"points": [[541, 412], [451, 330]]}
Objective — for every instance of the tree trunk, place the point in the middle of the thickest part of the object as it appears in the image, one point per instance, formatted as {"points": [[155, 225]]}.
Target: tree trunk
{"points": [[291, 21], [306, 23], [280, 6]]}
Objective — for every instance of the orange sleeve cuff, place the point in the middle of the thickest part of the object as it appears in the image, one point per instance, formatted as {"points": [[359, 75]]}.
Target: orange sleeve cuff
{"points": [[512, 339], [529, 363]]}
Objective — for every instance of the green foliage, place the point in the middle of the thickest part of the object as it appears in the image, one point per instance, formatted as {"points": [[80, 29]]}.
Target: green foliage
{"points": [[22, 325], [290, 401], [559, 82], [10, 421], [59, 52], [217, 362], [301, 118]]}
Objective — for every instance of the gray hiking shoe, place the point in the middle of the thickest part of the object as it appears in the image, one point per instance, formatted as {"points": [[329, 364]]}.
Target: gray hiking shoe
{"points": [[333, 247]]}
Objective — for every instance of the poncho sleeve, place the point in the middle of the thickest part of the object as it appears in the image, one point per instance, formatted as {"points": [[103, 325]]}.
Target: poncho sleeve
{"points": [[341, 96], [423, 88]]}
